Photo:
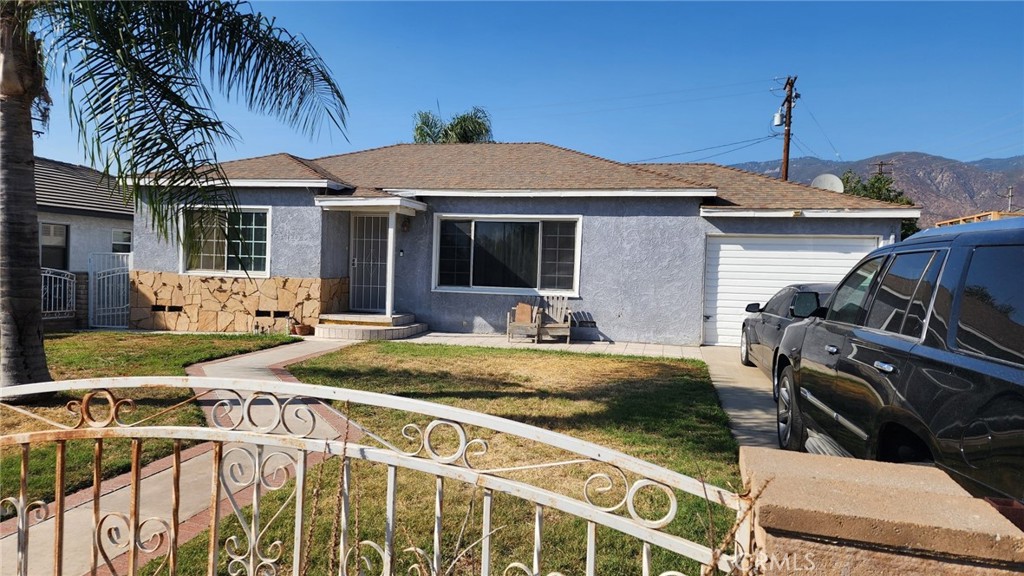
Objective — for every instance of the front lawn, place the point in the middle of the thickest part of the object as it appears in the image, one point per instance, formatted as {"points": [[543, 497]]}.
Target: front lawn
{"points": [[107, 354], [661, 410]]}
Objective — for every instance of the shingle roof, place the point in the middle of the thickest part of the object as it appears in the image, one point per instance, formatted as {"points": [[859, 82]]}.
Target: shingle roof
{"points": [[72, 187], [749, 191], [276, 167], [491, 166]]}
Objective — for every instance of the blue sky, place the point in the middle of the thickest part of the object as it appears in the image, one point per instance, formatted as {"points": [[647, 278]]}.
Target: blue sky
{"points": [[633, 81]]}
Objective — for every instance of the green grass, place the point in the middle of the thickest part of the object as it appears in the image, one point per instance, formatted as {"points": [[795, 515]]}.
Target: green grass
{"points": [[107, 354], [664, 411]]}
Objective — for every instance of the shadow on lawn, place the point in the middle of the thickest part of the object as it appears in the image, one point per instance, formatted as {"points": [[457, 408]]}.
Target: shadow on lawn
{"points": [[661, 401]]}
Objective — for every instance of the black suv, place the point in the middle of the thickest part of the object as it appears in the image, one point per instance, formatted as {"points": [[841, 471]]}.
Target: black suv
{"points": [[918, 356]]}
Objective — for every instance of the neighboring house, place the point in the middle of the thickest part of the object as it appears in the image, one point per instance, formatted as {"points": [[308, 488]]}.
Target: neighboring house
{"points": [[457, 234], [79, 214]]}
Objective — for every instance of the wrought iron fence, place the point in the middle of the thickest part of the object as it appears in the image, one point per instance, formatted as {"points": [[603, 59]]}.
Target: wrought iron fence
{"points": [[58, 295], [267, 446]]}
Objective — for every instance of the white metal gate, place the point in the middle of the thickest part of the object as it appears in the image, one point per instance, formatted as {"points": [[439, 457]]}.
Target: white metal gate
{"points": [[368, 279], [109, 289]]}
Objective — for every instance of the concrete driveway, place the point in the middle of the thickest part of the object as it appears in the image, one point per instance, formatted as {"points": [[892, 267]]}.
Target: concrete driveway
{"points": [[746, 395]]}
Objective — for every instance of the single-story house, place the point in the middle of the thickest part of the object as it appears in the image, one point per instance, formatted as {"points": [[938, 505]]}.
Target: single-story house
{"points": [[456, 234], [80, 213]]}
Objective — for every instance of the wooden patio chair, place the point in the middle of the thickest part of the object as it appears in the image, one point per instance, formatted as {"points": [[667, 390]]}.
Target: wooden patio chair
{"points": [[524, 320], [556, 318]]}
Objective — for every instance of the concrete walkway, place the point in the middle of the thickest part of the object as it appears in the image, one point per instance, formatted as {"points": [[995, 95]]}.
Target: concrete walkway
{"points": [[744, 392]]}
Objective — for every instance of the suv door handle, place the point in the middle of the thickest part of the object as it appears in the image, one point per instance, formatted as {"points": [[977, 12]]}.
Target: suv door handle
{"points": [[884, 367], [831, 349]]}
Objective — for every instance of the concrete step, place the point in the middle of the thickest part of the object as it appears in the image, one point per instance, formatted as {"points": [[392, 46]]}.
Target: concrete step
{"points": [[363, 332], [380, 320]]}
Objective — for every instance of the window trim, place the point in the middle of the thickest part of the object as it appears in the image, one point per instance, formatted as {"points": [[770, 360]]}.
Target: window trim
{"points": [[880, 279], [183, 257], [492, 290], [131, 242]]}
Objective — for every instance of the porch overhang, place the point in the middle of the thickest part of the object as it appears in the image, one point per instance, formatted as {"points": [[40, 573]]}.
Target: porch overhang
{"points": [[404, 206]]}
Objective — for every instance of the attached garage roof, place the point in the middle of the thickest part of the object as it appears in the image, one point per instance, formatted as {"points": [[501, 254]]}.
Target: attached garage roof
{"points": [[72, 188], [742, 190]]}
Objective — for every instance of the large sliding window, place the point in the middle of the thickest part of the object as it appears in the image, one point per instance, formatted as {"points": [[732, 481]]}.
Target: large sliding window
{"points": [[228, 241], [504, 253]]}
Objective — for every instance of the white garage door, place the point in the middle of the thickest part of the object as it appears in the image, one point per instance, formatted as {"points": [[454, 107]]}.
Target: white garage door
{"points": [[745, 269]]}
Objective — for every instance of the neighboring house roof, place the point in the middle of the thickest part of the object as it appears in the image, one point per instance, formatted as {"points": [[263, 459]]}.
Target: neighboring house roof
{"points": [[63, 187], [742, 190]]}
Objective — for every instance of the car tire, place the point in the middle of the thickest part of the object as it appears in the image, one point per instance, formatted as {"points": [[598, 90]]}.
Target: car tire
{"points": [[789, 422], [744, 350]]}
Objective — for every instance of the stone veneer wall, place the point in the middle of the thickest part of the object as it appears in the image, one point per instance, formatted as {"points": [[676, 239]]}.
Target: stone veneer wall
{"points": [[192, 303]]}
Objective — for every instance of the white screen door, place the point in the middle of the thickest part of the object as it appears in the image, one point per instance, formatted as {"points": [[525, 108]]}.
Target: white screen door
{"points": [[368, 278]]}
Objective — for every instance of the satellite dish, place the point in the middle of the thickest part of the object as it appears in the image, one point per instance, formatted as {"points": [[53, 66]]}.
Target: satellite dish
{"points": [[828, 182]]}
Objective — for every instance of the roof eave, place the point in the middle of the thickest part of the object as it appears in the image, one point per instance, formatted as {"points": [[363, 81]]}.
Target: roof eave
{"points": [[556, 193], [897, 213]]}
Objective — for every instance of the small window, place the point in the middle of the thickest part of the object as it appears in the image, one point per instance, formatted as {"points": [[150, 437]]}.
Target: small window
{"points": [[991, 321], [507, 254], [848, 304], [121, 241], [228, 241], [53, 246], [896, 289]]}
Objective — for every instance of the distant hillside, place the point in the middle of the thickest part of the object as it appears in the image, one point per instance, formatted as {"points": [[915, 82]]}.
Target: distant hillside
{"points": [[943, 188]]}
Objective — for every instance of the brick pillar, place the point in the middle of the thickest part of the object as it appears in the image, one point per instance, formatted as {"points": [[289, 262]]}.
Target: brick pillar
{"points": [[81, 300]]}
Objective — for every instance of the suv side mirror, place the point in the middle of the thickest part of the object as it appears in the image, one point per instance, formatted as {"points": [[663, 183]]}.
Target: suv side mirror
{"points": [[753, 308], [804, 304], [819, 312]]}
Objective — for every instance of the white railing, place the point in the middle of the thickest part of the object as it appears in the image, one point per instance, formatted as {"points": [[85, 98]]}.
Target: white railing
{"points": [[262, 434], [58, 294]]}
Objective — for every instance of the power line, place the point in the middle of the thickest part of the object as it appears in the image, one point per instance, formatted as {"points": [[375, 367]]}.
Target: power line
{"points": [[733, 150], [804, 147], [635, 106], [827, 139], [754, 140]]}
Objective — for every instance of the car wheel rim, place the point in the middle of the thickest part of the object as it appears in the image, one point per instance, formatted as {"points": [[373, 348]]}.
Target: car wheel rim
{"points": [[784, 413]]}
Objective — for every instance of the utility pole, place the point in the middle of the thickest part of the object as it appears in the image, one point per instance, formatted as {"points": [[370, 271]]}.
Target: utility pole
{"points": [[881, 164], [791, 96]]}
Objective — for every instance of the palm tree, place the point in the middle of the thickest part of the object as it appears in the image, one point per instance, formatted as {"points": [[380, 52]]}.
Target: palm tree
{"points": [[135, 72], [468, 127]]}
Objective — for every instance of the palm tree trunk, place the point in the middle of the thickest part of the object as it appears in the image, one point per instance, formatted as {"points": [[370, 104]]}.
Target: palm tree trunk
{"points": [[22, 359]]}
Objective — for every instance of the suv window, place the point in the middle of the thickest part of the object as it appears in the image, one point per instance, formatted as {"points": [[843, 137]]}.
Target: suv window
{"points": [[913, 326], [779, 305], [991, 319], [848, 304], [896, 289]]}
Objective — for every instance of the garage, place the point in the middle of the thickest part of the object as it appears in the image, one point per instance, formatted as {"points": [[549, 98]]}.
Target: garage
{"points": [[744, 269]]}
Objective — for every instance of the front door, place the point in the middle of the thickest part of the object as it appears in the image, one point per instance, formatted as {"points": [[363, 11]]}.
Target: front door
{"points": [[368, 277]]}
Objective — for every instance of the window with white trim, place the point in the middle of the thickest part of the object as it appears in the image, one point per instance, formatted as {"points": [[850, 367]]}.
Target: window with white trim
{"points": [[228, 241], [537, 254], [121, 241]]}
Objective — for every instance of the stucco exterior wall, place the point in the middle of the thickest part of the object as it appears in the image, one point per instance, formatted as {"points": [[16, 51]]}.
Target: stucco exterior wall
{"points": [[640, 271], [295, 234], [887, 229], [86, 235]]}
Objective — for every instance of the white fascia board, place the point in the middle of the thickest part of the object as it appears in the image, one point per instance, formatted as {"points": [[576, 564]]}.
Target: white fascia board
{"points": [[358, 202], [635, 193], [264, 183], [901, 213]]}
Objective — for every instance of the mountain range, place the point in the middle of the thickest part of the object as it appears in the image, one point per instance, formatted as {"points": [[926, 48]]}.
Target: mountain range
{"points": [[942, 187]]}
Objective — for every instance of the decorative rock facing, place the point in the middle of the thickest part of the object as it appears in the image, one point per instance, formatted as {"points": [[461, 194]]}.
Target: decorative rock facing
{"points": [[192, 303]]}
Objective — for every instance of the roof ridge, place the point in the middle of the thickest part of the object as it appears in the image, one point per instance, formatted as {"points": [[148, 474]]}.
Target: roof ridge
{"points": [[688, 183], [353, 152], [70, 164], [645, 169], [777, 181]]}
